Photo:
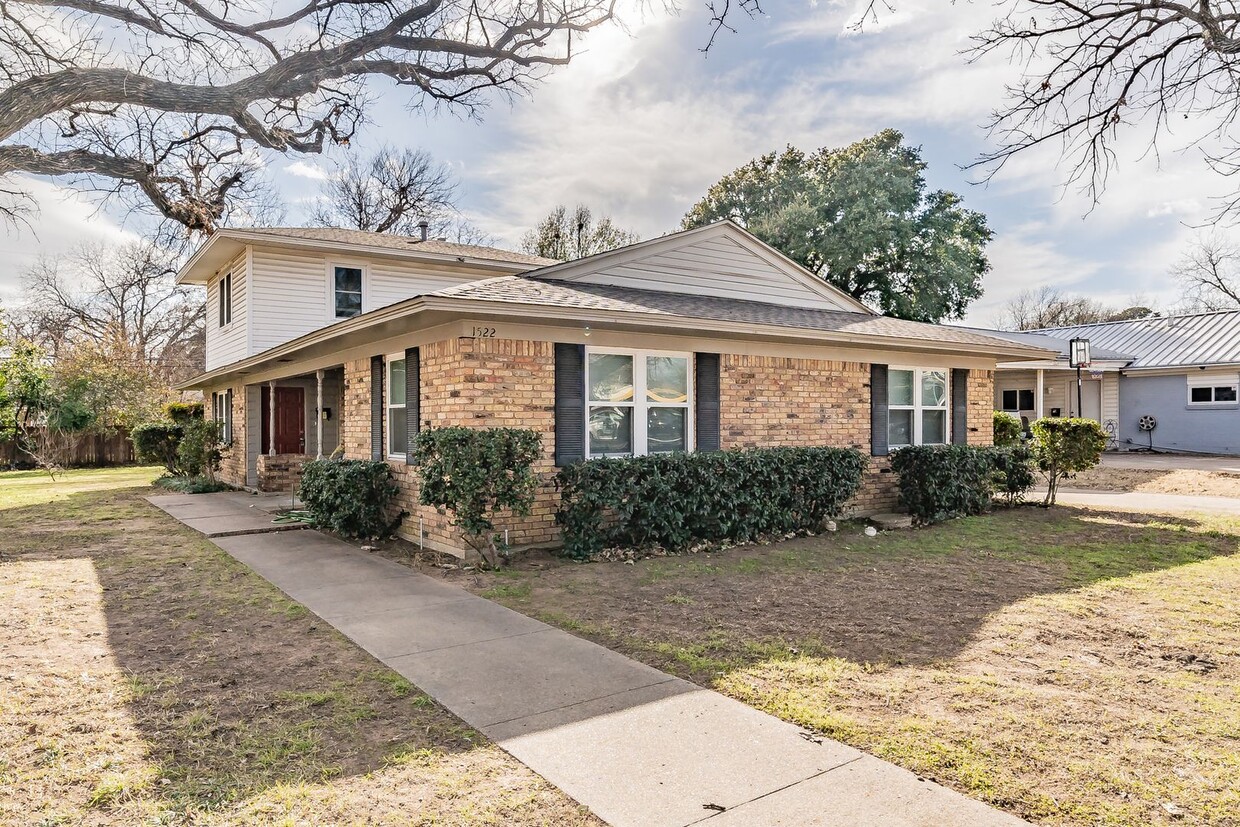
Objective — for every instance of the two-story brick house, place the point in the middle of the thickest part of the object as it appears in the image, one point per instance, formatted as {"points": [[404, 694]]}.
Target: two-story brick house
{"points": [[328, 341]]}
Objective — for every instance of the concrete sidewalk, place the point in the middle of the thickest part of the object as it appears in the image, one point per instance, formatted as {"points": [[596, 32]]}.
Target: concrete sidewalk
{"points": [[228, 513], [635, 745], [1155, 503]]}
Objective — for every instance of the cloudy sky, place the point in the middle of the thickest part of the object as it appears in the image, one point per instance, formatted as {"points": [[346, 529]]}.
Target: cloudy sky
{"points": [[641, 123]]}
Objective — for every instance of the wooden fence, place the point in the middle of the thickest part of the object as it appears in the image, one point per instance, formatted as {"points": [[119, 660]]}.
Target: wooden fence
{"points": [[90, 450]]}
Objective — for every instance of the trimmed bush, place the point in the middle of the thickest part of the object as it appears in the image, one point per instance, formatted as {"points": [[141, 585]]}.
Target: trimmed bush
{"points": [[1062, 447], [475, 473], [1013, 472], [192, 485], [158, 443], [351, 497], [675, 500], [198, 455], [184, 412], [1008, 430], [941, 482]]}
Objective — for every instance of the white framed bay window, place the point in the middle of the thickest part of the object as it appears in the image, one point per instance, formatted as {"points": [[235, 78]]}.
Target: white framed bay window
{"points": [[638, 402], [918, 401]]}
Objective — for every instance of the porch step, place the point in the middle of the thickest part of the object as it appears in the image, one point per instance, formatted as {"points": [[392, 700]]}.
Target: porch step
{"points": [[891, 522]]}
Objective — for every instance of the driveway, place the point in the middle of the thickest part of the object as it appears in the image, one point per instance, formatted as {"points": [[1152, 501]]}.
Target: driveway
{"points": [[1171, 462]]}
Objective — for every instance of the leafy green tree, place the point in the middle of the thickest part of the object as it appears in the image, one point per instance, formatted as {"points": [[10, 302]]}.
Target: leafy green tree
{"points": [[861, 218], [565, 235], [1062, 447]]}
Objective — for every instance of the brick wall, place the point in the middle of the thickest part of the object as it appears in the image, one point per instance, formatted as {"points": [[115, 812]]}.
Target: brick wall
{"points": [[233, 458], [280, 472], [765, 401]]}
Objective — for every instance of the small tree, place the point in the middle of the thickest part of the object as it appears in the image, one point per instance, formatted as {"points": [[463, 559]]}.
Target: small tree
{"points": [[1062, 447], [476, 474], [199, 451]]}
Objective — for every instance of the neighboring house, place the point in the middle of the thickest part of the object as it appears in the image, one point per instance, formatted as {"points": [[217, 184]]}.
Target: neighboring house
{"points": [[1184, 371], [326, 341]]}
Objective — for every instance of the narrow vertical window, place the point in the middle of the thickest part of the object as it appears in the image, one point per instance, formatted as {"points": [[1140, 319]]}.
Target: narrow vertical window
{"points": [[226, 299], [347, 284], [398, 424]]}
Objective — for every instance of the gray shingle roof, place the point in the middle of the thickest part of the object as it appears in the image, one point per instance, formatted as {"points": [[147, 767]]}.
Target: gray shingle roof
{"points": [[406, 243], [550, 293], [1165, 341]]}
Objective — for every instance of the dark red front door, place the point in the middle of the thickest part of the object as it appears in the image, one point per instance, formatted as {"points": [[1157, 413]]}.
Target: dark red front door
{"points": [[290, 420]]}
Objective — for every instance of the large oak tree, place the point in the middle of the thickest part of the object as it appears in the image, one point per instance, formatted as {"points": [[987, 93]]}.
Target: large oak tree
{"points": [[861, 218], [167, 100]]}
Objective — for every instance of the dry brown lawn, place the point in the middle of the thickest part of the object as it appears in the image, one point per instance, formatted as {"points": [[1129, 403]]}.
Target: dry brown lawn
{"points": [[1157, 481], [1072, 667], [147, 678]]}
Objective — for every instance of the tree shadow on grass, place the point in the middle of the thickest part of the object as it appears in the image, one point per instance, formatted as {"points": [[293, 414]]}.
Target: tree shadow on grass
{"points": [[906, 597], [232, 687]]}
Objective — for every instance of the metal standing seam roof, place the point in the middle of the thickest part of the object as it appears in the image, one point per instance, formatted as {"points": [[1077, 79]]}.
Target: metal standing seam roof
{"points": [[1191, 340]]}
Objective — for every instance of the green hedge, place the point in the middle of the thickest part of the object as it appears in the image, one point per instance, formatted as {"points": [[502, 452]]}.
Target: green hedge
{"points": [[158, 443], [1008, 429], [675, 500], [1013, 472], [350, 497], [939, 482]]}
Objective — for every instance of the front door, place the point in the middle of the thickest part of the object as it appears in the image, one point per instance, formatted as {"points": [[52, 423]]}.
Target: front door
{"points": [[290, 420]]}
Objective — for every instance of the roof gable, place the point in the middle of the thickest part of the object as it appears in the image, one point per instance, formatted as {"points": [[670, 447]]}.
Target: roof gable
{"points": [[720, 260]]}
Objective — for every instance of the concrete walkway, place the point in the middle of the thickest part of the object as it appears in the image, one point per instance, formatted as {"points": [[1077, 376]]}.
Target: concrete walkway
{"points": [[1156, 503], [635, 745], [229, 513]]}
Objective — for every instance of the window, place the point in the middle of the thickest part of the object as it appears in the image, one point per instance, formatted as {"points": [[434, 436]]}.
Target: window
{"points": [[1017, 400], [226, 299], [917, 402], [221, 411], [1212, 390], [347, 286], [638, 403], [397, 424]]}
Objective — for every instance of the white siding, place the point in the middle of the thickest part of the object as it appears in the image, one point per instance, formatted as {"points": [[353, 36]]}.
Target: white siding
{"points": [[291, 298], [1110, 400], [227, 344], [718, 267]]}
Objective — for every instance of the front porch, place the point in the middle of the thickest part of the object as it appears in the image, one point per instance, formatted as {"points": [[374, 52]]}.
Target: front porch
{"points": [[291, 421]]}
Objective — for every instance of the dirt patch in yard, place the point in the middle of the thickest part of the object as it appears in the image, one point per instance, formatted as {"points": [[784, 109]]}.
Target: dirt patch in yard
{"points": [[1073, 667], [1156, 481], [146, 677]]}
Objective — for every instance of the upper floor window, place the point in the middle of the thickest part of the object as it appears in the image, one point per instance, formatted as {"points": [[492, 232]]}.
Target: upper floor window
{"points": [[638, 403], [226, 299], [1213, 390], [398, 424], [917, 400], [347, 287]]}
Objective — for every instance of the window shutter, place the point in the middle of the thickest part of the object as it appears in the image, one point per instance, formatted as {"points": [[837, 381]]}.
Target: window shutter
{"points": [[376, 408], [878, 411], [413, 399], [960, 406], [706, 405], [570, 403]]}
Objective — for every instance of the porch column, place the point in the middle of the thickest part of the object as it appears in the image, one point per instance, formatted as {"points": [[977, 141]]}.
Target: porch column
{"points": [[1039, 397], [271, 418], [318, 424]]}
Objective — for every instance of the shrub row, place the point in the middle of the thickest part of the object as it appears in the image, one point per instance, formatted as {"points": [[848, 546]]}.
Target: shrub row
{"points": [[675, 500], [350, 497], [940, 482]]}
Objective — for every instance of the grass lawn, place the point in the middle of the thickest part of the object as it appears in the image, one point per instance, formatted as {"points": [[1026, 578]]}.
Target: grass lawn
{"points": [[147, 678], [1072, 667]]}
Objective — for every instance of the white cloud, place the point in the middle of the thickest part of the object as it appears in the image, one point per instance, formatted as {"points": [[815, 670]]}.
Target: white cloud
{"points": [[303, 169]]}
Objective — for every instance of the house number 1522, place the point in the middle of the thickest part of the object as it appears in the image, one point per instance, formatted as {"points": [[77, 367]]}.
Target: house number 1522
{"points": [[484, 332]]}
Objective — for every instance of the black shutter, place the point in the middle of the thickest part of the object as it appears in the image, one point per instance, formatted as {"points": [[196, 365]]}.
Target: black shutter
{"points": [[570, 403], [960, 406], [376, 408], [706, 413], [413, 399], [878, 411]]}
